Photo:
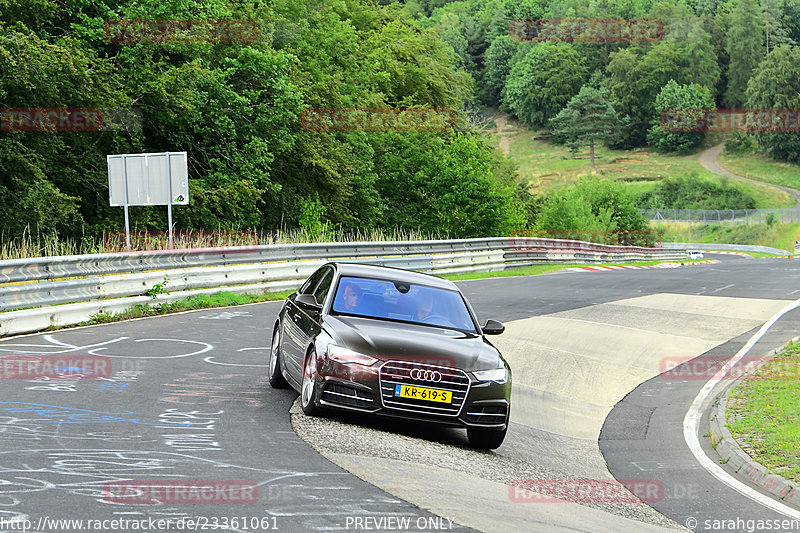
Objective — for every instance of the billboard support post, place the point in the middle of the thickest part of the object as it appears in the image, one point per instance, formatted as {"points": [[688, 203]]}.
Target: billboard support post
{"points": [[169, 223], [127, 218], [169, 204]]}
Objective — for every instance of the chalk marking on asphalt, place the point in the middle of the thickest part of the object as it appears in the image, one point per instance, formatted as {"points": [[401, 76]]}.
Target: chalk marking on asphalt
{"points": [[691, 424], [723, 288], [211, 360]]}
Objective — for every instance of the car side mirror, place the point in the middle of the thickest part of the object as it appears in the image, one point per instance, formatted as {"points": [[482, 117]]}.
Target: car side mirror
{"points": [[308, 302], [493, 327]]}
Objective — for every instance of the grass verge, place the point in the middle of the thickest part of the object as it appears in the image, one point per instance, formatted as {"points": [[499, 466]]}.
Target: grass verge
{"points": [[763, 417], [200, 301], [782, 236], [762, 168]]}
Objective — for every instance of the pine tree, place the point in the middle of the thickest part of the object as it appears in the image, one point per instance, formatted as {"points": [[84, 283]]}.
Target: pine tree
{"points": [[589, 118]]}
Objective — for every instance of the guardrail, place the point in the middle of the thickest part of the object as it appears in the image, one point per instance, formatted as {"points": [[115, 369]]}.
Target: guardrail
{"points": [[719, 216], [52, 287], [712, 246]]}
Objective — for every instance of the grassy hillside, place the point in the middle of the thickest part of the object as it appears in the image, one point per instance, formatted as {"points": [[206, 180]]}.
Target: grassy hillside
{"points": [[543, 165], [762, 168]]}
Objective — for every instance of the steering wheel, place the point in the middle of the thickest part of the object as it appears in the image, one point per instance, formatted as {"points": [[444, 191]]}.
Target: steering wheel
{"points": [[437, 319]]}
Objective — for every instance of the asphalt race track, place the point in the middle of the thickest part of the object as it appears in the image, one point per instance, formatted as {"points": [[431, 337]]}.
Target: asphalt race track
{"points": [[185, 402]]}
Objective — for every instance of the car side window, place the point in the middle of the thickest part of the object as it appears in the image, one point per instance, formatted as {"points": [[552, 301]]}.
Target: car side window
{"points": [[324, 286], [309, 286]]}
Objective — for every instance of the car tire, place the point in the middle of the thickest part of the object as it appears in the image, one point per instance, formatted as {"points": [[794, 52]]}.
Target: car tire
{"points": [[486, 439], [308, 387], [276, 379]]}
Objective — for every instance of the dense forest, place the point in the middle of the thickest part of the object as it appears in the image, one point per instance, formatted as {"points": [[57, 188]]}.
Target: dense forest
{"points": [[236, 107]]}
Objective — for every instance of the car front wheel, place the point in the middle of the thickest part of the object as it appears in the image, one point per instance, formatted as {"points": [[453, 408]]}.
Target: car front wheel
{"points": [[486, 439], [308, 390], [276, 379]]}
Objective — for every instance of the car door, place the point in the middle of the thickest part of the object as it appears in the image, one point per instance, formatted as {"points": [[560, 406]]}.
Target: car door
{"points": [[298, 326]]}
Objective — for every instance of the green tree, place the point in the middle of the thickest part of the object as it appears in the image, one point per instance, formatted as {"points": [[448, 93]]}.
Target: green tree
{"points": [[497, 65], [776, 32], [457, 186], [589, 118], [679, 99], [636, 76], [541, 83], [776, 85], [745, 47]]}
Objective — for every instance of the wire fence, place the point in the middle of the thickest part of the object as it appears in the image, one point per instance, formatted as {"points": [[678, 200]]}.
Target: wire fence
{"points": [[718, 216]]}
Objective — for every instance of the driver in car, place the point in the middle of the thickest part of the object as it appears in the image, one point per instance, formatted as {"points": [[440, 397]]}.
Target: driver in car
{"points": [[351, 297], [424, 306]]}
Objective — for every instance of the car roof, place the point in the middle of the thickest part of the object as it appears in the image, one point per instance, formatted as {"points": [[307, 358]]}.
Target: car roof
{"points": [[393, 274]]}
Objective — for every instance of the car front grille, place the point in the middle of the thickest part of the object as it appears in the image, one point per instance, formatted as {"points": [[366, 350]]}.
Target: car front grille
{"points": [[394, 373]]}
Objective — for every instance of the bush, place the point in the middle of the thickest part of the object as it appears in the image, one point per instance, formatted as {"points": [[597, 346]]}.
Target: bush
{"points": [[595, 210], [694, 193], [740, 144]]}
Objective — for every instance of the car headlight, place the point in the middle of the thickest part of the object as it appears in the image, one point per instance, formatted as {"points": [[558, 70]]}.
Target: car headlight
{"points": [[500, 375], [346, 356]]}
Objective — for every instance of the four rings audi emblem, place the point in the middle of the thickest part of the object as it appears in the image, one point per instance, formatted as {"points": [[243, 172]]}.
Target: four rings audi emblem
{"points": [[426, 375]]}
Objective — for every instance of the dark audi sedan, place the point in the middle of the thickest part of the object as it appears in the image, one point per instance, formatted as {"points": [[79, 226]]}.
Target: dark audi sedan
{"points": [[395, 343]]}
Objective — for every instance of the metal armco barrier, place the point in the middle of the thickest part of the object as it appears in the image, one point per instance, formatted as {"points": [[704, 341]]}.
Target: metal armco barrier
{"points": [[713, 246], [114, 282]]}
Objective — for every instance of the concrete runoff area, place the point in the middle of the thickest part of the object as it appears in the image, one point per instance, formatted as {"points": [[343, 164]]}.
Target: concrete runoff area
{"points": [[570, 369], [447, 493]]}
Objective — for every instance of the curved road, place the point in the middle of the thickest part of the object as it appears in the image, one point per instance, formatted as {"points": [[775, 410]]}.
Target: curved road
{"points": [[185, 402], [708, 159]]}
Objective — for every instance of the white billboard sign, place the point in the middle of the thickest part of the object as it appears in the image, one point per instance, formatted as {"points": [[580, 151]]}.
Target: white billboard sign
{"points": [[148, 179]]}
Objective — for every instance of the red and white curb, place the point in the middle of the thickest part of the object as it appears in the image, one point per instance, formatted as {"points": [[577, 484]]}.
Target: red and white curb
{"points": [[783, 257], [726, 253], [638, 267]]}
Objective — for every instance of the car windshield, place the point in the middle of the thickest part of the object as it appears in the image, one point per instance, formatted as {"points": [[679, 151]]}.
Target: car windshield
{"points": [[403, 302]]}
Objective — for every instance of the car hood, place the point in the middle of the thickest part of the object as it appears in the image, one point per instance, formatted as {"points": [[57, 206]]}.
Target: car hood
{"points": [[386, 341]]}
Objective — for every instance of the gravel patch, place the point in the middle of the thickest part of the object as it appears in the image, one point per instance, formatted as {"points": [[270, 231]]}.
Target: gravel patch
{"points": [[526, 454]]}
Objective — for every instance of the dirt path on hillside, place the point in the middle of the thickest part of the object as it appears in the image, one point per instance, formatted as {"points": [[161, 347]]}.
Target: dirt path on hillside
{"points": [[501, 119], [708, 158]]}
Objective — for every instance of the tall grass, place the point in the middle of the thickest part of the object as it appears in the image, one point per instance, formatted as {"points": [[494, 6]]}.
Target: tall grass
{"points": [[36, 244]]}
